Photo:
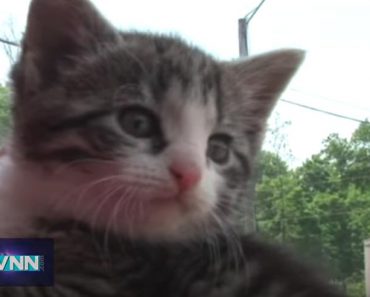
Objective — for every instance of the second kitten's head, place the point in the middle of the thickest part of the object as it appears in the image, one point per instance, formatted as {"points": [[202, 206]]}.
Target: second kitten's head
{"points": [[143, 134]]}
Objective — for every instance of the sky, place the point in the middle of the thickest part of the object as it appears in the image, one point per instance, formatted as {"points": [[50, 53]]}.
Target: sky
{"points": [[334, 33]]}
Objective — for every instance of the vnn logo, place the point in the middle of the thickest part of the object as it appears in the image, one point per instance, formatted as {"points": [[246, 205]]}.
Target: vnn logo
{"points": [[21, 263]]}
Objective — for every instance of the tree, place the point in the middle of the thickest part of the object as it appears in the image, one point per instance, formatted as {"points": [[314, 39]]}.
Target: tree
{"points": [[276, 138], [323, 206], [9, 40], [4, 112]]}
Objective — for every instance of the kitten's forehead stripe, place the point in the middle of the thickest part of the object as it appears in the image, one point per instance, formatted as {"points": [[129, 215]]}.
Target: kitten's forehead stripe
{"points": [[218, 97]]}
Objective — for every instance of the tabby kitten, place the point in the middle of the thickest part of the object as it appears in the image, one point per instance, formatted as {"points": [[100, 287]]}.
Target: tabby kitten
{"points": [[141, 137], [141, 134]]}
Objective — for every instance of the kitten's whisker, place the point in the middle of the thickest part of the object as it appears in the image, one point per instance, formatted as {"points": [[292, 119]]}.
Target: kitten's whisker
{"points": [[130, 214], [214, 235], [87, 187], [233, 207], [226, 228], [113, 219], [232, 241], [81, 191], [110, 221], [126, 206], [105, 199]]}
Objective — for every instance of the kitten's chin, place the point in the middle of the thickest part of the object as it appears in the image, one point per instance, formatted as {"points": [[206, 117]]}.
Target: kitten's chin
{"points": [[167, 218], [154, 213], [179, 219]]}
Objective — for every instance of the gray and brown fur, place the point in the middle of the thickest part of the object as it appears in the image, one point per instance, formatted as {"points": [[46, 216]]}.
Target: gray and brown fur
{"points": [[74, 74], [117, 267]]}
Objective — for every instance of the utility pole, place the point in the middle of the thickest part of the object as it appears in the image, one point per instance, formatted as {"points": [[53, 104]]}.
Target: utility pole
{"points": [[243, 30], [367, 266], [243, 40], [251, 222]]}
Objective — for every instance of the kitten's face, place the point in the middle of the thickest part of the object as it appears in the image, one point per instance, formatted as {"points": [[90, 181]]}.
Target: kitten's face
{"points": [[152, 137]]}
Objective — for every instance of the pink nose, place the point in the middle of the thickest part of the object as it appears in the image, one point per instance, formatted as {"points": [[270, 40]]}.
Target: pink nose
{"points": [[186, 175]]}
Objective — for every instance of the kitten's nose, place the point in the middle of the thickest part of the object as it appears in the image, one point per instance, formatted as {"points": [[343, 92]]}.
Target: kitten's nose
{"points": [[187, 175]]}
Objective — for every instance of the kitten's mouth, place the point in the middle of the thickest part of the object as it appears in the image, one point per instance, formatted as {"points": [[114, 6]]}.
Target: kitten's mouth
{"points": [[180, 201]]}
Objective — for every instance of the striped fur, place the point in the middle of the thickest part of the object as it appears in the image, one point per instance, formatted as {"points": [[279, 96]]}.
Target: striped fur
{"points": [[90, 264], [75, 88], [76, 82]]}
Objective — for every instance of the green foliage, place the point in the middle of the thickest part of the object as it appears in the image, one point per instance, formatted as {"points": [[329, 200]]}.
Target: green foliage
{"points": [[362, 134], [4, 111], [271, 166], [356, 287], [322, 207]]}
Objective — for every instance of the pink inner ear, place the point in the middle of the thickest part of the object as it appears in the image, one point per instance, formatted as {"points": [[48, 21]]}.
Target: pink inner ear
{"points": [[186, 174]]}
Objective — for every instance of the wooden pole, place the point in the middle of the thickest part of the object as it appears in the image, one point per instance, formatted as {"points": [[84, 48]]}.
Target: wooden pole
{"points": [[243, 42], [367, 266], [243, 30], [244, 52], [251, 216]]}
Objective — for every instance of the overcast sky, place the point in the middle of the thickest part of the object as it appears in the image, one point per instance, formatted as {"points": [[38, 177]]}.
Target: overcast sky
{"points": [[335, 33]]}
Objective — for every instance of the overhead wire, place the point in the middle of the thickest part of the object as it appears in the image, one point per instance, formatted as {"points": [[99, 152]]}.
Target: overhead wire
{"points": [[314, 95], [324, 111]]}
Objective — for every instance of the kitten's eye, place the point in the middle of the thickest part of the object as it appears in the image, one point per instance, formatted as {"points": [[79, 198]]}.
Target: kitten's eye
{"points": [[219, 148], [139, 122]]}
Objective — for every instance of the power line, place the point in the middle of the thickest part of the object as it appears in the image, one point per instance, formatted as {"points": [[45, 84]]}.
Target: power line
{"points": [[9, 42], [347, 104], [324, 111], [252, 13], [243, 29]]}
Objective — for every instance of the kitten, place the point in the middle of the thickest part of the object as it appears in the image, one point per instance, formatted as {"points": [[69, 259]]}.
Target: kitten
{"points": [[144, 137], [134, 132]]}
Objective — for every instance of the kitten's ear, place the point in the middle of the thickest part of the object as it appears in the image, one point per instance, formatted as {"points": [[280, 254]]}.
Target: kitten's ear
{"points": [[258, 82], [58, 30]]}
